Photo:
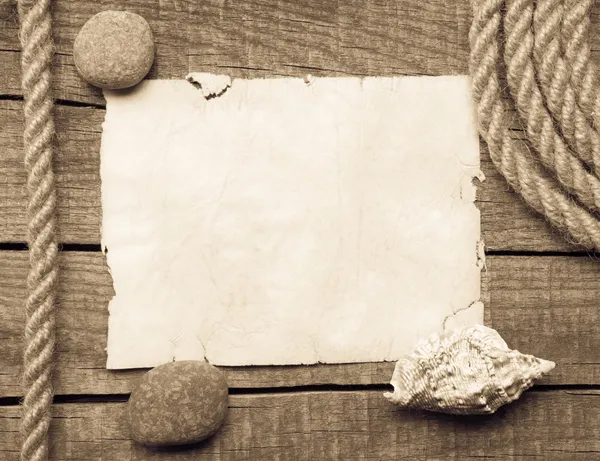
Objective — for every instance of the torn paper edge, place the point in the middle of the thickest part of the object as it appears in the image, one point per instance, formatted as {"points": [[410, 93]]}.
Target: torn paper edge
{"points": [[212, 86]]}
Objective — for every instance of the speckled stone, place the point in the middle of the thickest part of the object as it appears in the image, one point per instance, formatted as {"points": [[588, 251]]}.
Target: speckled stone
{"points": [[178, 403], [114, 49]]}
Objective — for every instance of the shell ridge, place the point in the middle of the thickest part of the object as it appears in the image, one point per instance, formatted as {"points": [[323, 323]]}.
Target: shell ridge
{"points": [[465, 371]]}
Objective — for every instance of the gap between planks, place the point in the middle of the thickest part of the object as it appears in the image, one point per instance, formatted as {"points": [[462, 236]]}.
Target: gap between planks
{"points": [[92, 247], [538, 304], [577, 389], [334, 426]]}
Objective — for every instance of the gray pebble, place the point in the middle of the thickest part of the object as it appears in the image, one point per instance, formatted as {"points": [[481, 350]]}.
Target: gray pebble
{"points": [[114, 49], [178, 403]]}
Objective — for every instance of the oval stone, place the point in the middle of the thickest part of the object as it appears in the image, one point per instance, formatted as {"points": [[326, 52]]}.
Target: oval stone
{"points": [[178, 403], [114, 49]]}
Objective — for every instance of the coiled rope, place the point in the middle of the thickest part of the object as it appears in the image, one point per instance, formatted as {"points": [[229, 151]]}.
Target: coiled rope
{"points": [[555, 180]]}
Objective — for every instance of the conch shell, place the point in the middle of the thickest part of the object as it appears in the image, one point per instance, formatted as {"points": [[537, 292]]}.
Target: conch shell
{"points": [[464, 371]]}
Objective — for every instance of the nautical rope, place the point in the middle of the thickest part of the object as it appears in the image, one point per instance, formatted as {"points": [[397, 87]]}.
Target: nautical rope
{"points": [[510, 157], [522, 171], [36, 59], [539, 125], [554, 75], [574, 37]]}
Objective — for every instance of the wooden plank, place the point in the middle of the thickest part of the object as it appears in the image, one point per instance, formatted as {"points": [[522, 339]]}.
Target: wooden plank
{"points": [[76, 168], [266, 37], [507, 224], [331, 426], [545, 306], [248, 39]]}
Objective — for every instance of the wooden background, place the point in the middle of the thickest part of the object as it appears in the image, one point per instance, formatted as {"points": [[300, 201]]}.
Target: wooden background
{"points": [[539, 291]]}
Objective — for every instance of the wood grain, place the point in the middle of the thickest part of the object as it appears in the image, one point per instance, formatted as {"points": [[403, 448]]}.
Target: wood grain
{"points": [[328, 426], [248, 39], [266, 38], [546, 305], [541, 305], [507, 224], [258, 38]]}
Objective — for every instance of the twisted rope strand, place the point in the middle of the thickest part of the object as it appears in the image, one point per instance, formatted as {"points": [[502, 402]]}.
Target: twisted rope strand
{"points": [[36, 59], [556, 86], [574, 36], [540, 129], [523, 173]]}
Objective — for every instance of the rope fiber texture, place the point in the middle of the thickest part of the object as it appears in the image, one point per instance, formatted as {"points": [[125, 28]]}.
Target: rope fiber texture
{"points": [[574, 34], [523, 171], [554, 74], [521, 76], [36, 60], [550, 46]]}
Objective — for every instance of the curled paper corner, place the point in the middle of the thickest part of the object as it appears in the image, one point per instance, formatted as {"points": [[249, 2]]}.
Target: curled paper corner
{"points": [[211, 85]]}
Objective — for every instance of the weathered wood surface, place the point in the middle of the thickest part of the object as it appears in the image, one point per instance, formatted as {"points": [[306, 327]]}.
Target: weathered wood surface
{"points": [[247, 39], [507, 224], [266, 38], [542, 305], [328, 426], [545, 306]]}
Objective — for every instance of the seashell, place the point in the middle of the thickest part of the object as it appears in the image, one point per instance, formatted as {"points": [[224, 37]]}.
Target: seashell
{"points": [[464, 371]]}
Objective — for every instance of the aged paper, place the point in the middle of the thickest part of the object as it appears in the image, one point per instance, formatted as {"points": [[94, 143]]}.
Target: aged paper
{"points": [[288, 221]]}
